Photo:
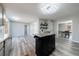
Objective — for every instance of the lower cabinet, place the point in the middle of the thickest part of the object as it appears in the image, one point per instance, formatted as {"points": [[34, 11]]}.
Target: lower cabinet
{"points": [[1, 49], [45, 45], [5, 47], [8, 46], [1, 52]]}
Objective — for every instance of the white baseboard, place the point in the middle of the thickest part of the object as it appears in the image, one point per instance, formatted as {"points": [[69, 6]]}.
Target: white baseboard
{"points": [[75, 41]]}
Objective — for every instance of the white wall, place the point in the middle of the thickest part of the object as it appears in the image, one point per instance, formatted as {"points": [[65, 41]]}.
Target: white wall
{"points": [[75, 29], [0, 22], [17, 29], [50, 26], [55, 26], [34, 27], [28, 29], [57, 22]]}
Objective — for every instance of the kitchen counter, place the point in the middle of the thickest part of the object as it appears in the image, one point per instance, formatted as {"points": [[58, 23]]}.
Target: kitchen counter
{"points": [[44, 34], [3, 38], [5, 45]]}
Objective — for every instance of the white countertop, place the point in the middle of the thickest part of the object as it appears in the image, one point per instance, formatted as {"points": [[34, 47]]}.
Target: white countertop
{"points": [[1, 39], [44, 34], [4, 38]]}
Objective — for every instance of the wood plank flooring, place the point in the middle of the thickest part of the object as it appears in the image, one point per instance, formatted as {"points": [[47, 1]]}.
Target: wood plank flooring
{"points": [[64, 47], [23, 46], [26, 47]]}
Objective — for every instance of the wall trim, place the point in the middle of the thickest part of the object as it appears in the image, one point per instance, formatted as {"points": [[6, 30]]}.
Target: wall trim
{"points": [[75, 41]]}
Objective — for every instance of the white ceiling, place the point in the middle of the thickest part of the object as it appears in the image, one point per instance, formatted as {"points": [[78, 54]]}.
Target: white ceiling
{"points": [[31, 11]]}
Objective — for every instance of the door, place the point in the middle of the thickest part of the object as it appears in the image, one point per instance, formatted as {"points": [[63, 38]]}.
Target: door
{"points": [[25, 33]]}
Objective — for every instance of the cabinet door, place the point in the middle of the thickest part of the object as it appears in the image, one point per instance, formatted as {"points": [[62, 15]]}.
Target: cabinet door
{"points": [[1, 52], [1, 49], [8, 46]]}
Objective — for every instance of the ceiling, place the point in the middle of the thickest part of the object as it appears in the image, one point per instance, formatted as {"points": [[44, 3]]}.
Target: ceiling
{"points": [[30, 11]]}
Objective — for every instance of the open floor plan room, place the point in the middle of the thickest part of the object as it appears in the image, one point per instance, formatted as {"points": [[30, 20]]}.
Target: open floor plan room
{"points": [[39, 29]]}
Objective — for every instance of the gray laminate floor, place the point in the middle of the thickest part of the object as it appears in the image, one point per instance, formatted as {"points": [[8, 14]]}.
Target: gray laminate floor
{"points": [[65, 47], [22, 46]]}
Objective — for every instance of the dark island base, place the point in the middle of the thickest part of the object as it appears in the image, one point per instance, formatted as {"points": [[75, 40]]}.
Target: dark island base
{"points": [[45, 45]]}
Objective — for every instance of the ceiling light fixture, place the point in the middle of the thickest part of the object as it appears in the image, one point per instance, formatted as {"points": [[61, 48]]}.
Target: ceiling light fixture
{"points": [[49, 8]]}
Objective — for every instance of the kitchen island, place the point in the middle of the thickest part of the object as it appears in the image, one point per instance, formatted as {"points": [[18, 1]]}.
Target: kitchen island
{"points": [[45, 44]]}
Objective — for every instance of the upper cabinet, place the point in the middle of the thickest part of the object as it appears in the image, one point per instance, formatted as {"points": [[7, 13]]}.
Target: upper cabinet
{"points": [[6, 25], [1, 21], [4, 22], [5, 38]]}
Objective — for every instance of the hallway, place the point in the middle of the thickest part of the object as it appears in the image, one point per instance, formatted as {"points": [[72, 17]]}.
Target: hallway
{"points": [[39, 19]]}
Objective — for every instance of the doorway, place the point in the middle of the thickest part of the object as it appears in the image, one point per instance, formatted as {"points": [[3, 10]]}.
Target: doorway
{"points": [[65, 30], [25, 33]]}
